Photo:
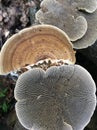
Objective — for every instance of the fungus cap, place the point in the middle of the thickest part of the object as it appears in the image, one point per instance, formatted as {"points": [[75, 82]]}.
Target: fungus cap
{"points": [[77, 18], [62, 97], [91, 35], [33, 44]]}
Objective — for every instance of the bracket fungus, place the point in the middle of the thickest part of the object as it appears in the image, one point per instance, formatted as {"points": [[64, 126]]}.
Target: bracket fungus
{"points": [[59, 98], [78, 18], [34, 44]]}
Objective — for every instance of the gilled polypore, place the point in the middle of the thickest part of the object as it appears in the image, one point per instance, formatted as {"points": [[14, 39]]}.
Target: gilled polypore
{"points": [[53, 93], [78, 18], [59, 98]]}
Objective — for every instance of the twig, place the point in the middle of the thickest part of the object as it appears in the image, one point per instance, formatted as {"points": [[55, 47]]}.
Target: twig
{"points": [[32, 10]]}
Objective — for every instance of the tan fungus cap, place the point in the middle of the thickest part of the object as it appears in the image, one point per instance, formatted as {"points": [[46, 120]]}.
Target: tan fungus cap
{"points": [[34, 44]]}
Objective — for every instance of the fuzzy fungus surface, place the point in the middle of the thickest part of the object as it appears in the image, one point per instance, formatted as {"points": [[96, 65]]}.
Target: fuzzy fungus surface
{"points": [[78, 18], [60, 98]]}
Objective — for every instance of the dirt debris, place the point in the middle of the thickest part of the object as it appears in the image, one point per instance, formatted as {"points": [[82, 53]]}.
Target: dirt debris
{"points": [[16, 15]]}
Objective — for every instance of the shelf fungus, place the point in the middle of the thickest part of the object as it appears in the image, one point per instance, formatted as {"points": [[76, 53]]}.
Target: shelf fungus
{"points": [[58, 98], [33, 44], [78, 18]]}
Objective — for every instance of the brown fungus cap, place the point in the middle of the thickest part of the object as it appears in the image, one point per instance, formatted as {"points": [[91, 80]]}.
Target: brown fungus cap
{"points": [[78, 18], [34, 44], [60, 98]]}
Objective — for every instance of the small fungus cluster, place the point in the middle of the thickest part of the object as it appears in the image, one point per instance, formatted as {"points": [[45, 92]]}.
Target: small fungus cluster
{"points": [[52, 92]]}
